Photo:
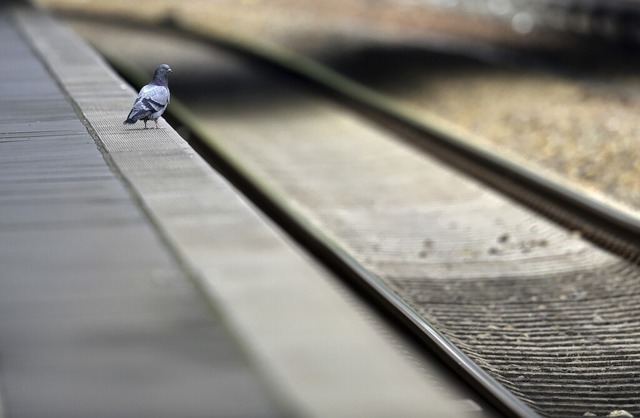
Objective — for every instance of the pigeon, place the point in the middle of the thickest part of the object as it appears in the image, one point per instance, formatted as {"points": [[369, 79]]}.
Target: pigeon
{"points": [[153, 98]]}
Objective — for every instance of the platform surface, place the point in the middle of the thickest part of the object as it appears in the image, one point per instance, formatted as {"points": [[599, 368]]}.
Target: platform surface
{"points": [[97, 319]]}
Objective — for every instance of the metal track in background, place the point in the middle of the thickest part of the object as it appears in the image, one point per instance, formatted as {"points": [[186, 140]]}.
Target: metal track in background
{"points": [[611, 229]]}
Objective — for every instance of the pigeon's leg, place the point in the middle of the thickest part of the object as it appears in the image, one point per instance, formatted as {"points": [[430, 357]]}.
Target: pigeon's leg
{"points": [[156, 122], [145, 124]]}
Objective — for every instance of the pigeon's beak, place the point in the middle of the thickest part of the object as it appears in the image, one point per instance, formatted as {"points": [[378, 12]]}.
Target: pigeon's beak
{"points": [[169, 70]]}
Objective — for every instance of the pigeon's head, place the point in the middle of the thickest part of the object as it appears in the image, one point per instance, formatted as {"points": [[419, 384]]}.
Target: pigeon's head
{"points": [[162, 72]]}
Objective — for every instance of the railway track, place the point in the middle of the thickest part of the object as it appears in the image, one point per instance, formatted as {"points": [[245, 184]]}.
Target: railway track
{"points": [[541, 320]]}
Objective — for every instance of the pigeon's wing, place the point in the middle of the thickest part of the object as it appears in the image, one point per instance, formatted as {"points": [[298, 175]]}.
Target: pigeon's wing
{"points": [[151, 99], [155, 97]]}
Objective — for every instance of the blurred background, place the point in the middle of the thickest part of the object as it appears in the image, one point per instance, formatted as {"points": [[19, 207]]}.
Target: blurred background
{"points": [[552, 82], [504, 21]]}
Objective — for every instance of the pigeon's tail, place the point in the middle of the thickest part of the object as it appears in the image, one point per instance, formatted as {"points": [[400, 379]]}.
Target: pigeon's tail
{"points": [[133, 116]]}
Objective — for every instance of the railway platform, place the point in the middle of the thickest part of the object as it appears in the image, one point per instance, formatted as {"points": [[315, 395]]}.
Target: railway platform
{"points": [[136, 281], [330, 210]]}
